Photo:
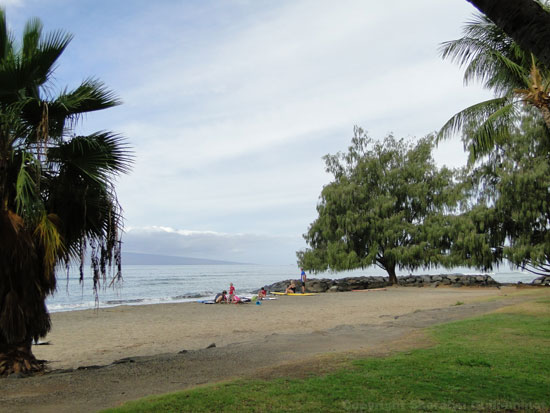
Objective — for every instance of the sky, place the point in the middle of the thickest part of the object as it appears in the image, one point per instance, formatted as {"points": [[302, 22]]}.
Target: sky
{"points": [[230, 105]]}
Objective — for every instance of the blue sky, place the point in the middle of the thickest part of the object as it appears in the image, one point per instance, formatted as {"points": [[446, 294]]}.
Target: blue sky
{"points": [[230, 105]]}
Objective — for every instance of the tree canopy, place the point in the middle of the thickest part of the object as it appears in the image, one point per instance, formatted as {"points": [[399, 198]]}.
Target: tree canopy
{"points": [[386, 206], [509, 142], [513, 187]]}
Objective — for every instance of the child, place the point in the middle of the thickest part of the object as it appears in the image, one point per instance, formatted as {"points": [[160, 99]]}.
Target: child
{"points": [[231, 292], [262, 294]]}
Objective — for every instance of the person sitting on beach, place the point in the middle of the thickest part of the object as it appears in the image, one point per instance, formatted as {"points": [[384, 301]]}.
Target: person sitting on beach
{"points": [[221, 297], [291, 288], [236, 300], [262, 294]]}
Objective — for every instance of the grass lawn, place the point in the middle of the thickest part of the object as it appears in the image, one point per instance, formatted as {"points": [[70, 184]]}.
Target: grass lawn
{"points": [[498, 362]]}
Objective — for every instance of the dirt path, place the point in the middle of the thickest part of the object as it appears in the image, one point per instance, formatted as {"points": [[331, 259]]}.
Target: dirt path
{"points": [[94, 388]]}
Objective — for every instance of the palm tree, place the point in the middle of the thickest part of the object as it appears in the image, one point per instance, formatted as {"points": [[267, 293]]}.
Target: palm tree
{"points": [[519, 82], [56, 188], [525, 21]]}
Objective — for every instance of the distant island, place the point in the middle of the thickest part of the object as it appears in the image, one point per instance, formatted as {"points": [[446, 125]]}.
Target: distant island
{"points": [[134, 258]]}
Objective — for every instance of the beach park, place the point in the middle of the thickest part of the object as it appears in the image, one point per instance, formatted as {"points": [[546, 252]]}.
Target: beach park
{"points": [[298, 207]]}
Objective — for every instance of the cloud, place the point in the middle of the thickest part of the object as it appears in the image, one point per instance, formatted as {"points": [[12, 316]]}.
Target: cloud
{"points": [[238, 247], [231, 105]]}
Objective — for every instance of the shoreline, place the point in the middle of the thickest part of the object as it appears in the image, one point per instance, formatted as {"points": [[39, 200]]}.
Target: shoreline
{"points": [[358, 281]]}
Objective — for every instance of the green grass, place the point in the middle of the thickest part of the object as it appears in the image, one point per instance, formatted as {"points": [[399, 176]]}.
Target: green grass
{"points": [[498, 362]]}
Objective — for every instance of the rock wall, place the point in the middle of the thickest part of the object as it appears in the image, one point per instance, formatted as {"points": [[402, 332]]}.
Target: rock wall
{"points": [[322, 285]]}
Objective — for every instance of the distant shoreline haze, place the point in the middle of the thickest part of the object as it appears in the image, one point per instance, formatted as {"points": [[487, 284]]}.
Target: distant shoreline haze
{"points": [[134, 258]]}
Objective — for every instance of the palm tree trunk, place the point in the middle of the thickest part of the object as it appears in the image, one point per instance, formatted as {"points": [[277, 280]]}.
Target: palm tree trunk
{"points": [[546, 115], [18, 359], [525, 21]]}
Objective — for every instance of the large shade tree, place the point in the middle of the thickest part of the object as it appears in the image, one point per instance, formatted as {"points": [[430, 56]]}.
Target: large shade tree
{"points": [[388, 205], [56, 188]]}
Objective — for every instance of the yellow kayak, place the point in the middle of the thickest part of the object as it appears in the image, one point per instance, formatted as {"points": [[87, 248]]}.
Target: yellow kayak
{"points": [[298, 294]]}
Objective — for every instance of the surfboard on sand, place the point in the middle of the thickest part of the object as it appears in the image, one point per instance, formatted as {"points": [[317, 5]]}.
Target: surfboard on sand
{"points": [[296, 294], [371, 289]]}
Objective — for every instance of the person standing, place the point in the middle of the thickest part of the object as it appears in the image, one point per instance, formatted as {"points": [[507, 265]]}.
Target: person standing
{"points": [[231, 292], [303, 278]]}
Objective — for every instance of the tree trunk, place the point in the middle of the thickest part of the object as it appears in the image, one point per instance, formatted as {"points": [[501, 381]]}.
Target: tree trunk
{"points": [[392, 276], [525, 21], [18, 359]]}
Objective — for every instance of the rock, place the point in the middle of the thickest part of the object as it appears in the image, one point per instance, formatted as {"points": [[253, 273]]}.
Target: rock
{"points": [[182, 352], [212, 345], [318, 286], [322, 285]]}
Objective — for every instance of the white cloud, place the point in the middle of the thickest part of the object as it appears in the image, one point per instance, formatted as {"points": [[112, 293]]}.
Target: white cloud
{"points": [[231, 105]]}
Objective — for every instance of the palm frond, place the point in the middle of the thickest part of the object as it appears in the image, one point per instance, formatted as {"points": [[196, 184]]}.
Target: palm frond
{"points": [[6, 39], [96, 156], [31, 37], [496, 129], [50, 241], [477, 113], [90, 96], [26, 186], [38, 68], [496, 72]]}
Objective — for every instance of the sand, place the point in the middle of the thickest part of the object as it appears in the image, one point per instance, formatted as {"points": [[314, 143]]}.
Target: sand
{"points": [[161, 348]]}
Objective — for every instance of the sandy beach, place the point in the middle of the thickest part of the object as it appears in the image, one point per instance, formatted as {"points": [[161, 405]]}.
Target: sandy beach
{"points": [[161, 348]]}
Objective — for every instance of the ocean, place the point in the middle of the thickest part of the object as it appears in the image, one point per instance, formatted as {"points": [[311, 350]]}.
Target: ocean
{"points": [[156, 284]]}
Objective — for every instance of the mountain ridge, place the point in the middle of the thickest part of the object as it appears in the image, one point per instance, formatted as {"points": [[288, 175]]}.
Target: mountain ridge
{"points": [[137, 258]]}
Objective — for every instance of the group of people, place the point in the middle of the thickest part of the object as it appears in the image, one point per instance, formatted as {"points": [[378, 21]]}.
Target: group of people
{"points": [[291, 289], [224, 297]]}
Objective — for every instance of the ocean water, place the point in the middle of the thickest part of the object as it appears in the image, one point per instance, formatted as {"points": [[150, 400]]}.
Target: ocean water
{"points": [[155, 284]]}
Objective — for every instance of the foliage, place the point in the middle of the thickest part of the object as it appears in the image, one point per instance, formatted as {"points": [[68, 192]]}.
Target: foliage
{"points": [[56, 188], [388, 205], [519, 82], [513, 187], [497, 362]]}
